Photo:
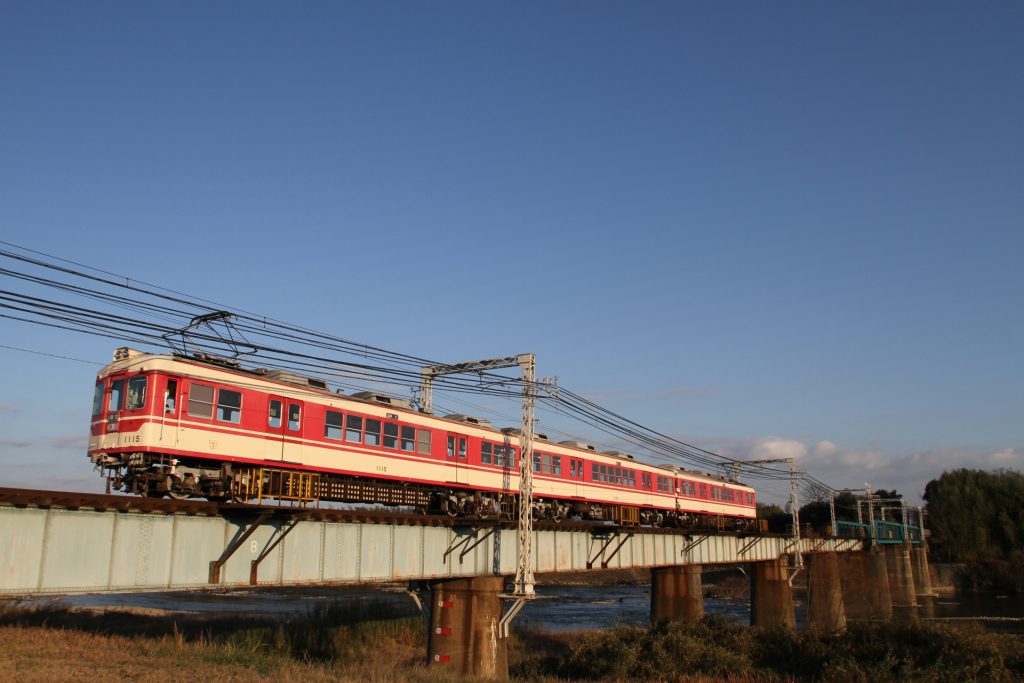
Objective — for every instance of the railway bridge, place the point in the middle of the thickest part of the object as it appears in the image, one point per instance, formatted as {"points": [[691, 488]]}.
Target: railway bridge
{"points": [[58, 543]]}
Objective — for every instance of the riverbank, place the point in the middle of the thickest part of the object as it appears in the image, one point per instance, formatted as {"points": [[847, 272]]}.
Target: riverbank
{"points": [[379, 643]]}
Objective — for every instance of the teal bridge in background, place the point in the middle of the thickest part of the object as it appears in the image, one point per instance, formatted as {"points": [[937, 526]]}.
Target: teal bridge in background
{"points": [[884, 532]]}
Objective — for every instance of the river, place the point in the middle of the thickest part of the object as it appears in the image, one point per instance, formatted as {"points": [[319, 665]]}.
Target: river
{"points": [[557, 608]]}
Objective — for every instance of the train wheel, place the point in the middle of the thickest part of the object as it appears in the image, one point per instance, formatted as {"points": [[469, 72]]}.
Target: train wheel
{"points": [[174, 485], [486, 509]]}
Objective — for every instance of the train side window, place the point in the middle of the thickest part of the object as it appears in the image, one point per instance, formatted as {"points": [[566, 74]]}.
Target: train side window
{"points": [[390, 435], [485, 453], [510, 456], [333, 424], [408, 439], [750, 499], [462, 448], [703, 490], [136, 396], [200, 401], [499, 456], [423, 441], [556, 465], [354, 429], [171, 396], [274, 414], [229, 406], [294, 416], [536, 462], [372, 432], [451, 446], [116, 391], [596, 474], [97, 400]]}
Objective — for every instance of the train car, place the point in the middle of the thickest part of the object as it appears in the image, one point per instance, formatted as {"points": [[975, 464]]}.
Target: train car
{"points": [[202, 427]]}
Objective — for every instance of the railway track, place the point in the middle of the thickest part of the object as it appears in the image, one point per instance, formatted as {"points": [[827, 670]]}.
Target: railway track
{"points": [[100, 502]]}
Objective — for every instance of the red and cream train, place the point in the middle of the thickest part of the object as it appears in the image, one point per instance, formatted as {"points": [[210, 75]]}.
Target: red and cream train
{"points": [[185, 427]]}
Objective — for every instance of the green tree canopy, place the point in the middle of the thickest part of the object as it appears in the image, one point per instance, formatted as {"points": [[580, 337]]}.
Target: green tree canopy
{"points": [[976, 515]]}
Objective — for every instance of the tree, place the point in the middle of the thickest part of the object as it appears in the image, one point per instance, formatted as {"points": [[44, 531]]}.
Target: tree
{"points": [[819, 516], [778, 519], [978, 517]]}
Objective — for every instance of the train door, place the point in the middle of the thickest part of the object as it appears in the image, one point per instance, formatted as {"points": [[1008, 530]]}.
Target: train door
{"points": [[115, 402], [284, 429], [576, 476], [170, 412], [456, 457]]}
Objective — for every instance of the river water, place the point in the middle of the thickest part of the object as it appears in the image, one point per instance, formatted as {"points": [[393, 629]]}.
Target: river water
{"points": [[558, 608]]}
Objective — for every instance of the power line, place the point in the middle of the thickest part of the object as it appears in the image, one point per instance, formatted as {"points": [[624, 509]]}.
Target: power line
{"points": [[151, 315], [51, 355]]}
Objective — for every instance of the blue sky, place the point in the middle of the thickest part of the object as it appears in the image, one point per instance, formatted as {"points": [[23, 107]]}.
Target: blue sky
{"points": [[792, 229]]}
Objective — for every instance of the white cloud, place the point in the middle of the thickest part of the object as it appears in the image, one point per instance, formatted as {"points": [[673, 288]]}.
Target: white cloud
{"points": [[10, 407], [1008, 457], [825, 448], [869, 460], [852, 468], [772, 447]]}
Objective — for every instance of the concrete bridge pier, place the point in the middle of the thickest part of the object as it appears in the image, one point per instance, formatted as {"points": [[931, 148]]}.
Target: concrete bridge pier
{"points": [[825, 609], [771, 596], [865, 585], [922, 579], [463, 632], [676, 594], [901, 580]]}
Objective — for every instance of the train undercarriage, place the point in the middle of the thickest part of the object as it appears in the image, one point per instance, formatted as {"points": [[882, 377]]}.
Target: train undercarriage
{"points": [[156, 476]]}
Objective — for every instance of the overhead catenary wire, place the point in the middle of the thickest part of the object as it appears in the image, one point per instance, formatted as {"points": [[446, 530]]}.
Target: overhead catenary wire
{"points": [[149, 315]]}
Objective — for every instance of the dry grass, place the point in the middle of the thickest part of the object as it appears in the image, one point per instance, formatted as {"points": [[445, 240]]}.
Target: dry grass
{"points": [[89, 646], [37, 654], [376, 644]]}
